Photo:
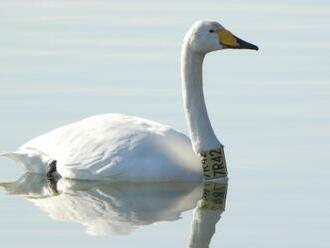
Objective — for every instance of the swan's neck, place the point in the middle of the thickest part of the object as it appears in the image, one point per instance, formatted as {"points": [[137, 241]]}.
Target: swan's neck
{"points": [[201, 132]]}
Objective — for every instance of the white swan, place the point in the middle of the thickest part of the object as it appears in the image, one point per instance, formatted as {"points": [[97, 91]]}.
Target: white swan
{"points": [[127, 148]]}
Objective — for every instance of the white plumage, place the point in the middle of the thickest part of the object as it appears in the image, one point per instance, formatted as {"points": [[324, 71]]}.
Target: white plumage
{"points": [[113, 147]]}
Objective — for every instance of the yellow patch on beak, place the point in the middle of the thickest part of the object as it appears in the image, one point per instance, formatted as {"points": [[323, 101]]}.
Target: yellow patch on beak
{"points": [[226, 38]]}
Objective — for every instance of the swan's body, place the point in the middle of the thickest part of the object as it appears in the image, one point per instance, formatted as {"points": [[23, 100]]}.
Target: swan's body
{"points": [[119, 147], [113, 147]]}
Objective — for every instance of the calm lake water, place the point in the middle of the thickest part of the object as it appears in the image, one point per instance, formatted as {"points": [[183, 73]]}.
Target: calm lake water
{"points": [[64, 60]]}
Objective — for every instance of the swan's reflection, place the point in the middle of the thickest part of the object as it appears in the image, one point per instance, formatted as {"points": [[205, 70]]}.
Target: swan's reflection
{"points": [[108, 208], [120, 208]]}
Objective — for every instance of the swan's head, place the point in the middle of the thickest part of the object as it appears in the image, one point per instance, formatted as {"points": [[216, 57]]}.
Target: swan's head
{"points": [[208, 36]]}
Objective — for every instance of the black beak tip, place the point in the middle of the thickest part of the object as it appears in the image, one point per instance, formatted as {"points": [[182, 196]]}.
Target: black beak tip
{"points": [[246, 45]]}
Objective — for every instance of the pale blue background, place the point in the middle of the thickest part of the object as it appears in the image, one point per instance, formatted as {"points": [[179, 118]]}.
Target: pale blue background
{"points": [[67, 59]]}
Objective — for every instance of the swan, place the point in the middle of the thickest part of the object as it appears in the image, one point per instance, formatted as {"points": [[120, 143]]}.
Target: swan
{"points": [[127, 148]]}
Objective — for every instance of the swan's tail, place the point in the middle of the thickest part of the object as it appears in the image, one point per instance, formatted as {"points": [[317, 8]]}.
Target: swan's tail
{"points": [[17, 156], [31, 160]]}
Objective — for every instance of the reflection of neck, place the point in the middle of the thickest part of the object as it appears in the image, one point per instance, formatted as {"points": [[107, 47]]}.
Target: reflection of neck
{"points": [[201, 132], [203, 227], [207, 213]]}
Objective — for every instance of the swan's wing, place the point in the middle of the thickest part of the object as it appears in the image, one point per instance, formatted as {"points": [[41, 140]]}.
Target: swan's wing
{"points": [[115, 146]]}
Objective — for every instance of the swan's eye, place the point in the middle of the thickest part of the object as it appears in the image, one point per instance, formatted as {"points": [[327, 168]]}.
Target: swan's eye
{"points": [[211, 31]]}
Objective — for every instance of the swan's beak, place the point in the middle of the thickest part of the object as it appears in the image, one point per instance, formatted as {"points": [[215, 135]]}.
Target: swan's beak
{"points": [[228, 40]]}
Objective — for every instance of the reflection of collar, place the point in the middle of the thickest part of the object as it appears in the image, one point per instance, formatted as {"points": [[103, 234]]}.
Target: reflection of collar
{"points": [[214, 196]]}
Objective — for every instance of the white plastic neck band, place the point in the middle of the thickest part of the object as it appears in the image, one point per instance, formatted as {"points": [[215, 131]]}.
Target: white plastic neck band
{"points": [[214, 164]]}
